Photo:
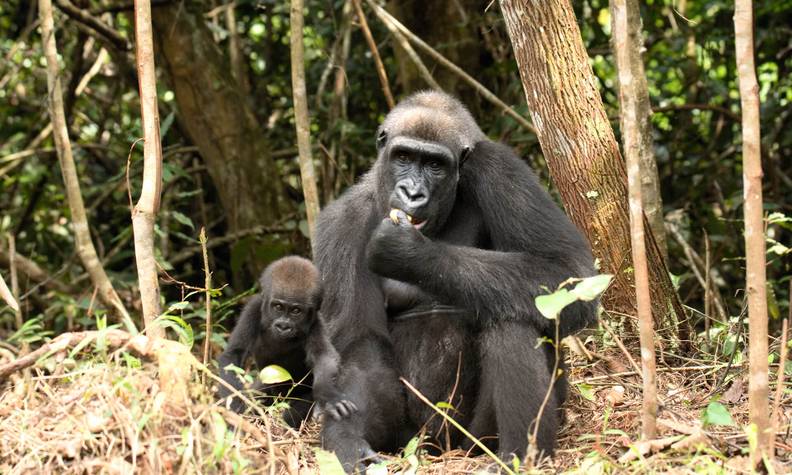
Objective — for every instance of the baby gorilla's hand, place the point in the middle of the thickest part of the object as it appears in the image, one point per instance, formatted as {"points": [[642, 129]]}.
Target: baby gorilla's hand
{"points": [[338, 409]]}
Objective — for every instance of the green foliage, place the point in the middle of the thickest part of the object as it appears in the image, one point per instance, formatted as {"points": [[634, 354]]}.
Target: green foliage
{"points": [[586, 290], [274, 374], [328, 463], [716, 414]]}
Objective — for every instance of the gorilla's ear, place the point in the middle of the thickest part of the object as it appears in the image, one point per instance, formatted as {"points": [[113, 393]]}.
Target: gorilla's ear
{"points": [[463, 156], [382, 139]]}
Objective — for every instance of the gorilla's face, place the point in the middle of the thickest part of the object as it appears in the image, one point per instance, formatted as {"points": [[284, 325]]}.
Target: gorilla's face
{"points": [[422, 176], [287, 317]]}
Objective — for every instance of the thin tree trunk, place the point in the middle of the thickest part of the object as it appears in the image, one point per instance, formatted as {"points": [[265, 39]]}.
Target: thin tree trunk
{"points": [[145, 212], [755, 279], [581, 151], [632, 107], [82, 235], [301, 119], [650, 180]]}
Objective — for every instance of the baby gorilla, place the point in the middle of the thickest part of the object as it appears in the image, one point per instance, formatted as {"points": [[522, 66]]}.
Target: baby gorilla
{"points": [[281, 325]]}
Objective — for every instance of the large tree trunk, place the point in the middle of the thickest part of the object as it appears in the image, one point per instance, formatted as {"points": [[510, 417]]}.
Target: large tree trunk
{"points": [[216, 116], [581, 151]]}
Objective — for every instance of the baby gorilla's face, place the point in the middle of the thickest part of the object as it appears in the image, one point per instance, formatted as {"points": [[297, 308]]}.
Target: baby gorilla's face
{"points": [[287, 319]]}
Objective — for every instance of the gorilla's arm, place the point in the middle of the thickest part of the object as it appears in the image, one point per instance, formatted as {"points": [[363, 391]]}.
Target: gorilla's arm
{"points": [[535, 247], [325, 363], [240, 344]]}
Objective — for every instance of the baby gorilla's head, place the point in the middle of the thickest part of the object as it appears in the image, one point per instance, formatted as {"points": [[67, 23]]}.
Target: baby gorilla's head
{"points": [[291, 296]]}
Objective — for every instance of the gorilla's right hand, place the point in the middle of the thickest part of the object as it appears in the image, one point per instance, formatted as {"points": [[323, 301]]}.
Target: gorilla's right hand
{"points": [[337, 409], [395, 248]]}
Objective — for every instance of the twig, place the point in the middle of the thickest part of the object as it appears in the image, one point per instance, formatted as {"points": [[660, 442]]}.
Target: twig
{"points": [[779, 390], [486, 93], [207, 295], [375, 53], [407, 47], [720, 109], [459, 427], [620, 345]]}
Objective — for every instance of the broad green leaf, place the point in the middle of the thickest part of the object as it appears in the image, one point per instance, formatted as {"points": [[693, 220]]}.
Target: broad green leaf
{"points": [[592, 287], [274, 374], [717, 414], [328, 463], [551, 305]]}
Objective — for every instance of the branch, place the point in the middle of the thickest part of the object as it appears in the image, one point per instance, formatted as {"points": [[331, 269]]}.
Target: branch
{"points": [[386, 17], [383, 77], [145, 212], [82, 235], [84, 17]]}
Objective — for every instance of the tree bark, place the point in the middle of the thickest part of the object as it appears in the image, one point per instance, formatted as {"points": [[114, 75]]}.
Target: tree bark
{"points": [[633, 104], [651, 198], [755, 278], [302, 122], [581, 151], [145, 212], [82, 235], [217, 117]]}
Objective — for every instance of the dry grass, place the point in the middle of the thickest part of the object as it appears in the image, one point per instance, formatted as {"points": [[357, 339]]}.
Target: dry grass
{"points": [[106, 414]]}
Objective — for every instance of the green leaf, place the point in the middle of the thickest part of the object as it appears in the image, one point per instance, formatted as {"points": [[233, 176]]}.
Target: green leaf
{"points": [[445, 405], [551, 305], [412, 446], [274, 374], [590, 288], [328, 463], [587, 391], [182, 219], [717, 414]]}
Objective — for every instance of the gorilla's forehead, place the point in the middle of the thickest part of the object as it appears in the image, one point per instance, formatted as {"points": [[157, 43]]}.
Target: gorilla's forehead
{"points": [[435, 116]]}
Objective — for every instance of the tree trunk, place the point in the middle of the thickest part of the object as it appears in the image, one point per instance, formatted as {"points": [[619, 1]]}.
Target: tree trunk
{"points": [[144, 214], [581, 151], [302, 121], [60, 133], [217, 117], [755, 278], [633, 104], [650, 180]]}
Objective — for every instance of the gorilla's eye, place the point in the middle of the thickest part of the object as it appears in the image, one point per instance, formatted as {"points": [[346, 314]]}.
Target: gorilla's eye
{"points": [[278, 307], [435, 165], [296, 311], [402, 157]]}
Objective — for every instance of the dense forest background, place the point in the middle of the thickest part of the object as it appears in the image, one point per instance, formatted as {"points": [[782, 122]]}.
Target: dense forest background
{"points": [[230, 158]]}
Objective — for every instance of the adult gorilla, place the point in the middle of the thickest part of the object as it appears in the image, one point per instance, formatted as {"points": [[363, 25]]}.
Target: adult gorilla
{"points": [[430, 266]]}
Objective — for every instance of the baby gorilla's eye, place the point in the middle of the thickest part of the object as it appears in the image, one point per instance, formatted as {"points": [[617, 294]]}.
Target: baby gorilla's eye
{"points": [[278, 307], [296, 311]]}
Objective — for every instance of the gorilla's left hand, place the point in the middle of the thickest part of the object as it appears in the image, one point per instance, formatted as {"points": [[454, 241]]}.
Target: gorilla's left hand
{"points": [[395, 248]]}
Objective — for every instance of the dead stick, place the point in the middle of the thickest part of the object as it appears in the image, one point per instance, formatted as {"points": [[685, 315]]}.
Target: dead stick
{"points": [[621, 346], [377, 60], [779, 390]]}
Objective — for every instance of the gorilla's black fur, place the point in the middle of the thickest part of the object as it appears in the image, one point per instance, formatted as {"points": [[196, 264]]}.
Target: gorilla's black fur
{"points": [[446, 285], [281, 325]]}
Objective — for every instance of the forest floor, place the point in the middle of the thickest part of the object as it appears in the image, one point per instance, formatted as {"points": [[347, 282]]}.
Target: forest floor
{"points": [[101, 411]]}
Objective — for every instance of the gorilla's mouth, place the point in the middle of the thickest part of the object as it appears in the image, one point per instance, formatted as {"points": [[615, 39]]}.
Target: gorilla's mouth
{"points": [[396, 215]]}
